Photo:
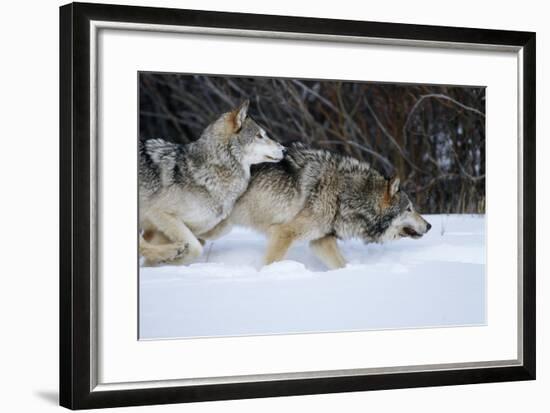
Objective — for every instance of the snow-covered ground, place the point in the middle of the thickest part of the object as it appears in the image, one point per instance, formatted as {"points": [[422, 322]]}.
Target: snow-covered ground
{"points": [[438, 280]]}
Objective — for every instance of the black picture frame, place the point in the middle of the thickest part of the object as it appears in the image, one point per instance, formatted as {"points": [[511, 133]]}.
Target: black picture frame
{"points": [[75, 219]]}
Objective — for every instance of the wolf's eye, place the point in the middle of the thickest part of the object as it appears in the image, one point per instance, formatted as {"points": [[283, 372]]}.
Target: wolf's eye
{"points": [[259, 135], [409, 209]]}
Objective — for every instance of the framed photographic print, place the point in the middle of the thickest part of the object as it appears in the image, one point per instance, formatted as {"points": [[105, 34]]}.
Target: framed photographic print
{"points": [[257, 206]]}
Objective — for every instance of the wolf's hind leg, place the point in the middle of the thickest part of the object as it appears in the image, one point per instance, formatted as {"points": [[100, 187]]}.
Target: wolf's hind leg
{"points": [[327, 250], [171, 226], [218, 231], [183, 246], [155, 237], [161, 253], [279, 241]]}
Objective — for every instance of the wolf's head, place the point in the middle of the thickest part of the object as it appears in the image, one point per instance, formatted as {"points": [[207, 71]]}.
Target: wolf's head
{"points": [[377, 210], [244, 137], [404, 221]]}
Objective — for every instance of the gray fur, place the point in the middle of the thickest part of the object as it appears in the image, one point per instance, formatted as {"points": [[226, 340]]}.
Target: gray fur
{"points": [[185, 190], [318, 195]]}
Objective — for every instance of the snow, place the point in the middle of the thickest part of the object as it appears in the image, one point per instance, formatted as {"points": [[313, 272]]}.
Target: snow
{"points": [[436, 281]]}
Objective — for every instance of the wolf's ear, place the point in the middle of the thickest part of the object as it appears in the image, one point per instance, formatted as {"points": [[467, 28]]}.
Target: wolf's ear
{"points": [[238, 115], [393, 186]]}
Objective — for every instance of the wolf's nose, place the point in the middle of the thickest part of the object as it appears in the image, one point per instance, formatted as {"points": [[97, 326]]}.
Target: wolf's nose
{"points": [[429, 226]]}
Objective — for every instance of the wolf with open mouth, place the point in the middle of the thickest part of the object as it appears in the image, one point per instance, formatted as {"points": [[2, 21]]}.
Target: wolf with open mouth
{"points": [[321, 197]]}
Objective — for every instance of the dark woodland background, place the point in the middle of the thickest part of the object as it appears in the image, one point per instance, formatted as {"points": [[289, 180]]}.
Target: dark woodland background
{"points": [[432, 137]]}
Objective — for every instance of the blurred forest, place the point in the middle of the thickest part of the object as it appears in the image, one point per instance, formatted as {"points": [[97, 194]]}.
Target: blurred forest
{"points": [[432, 137]]}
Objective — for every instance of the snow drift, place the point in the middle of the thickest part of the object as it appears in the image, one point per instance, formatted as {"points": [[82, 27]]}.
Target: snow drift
{"points": [[435, 281]]}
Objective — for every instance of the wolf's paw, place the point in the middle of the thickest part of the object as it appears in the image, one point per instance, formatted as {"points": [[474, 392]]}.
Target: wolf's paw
{"points": [[175, 253]]}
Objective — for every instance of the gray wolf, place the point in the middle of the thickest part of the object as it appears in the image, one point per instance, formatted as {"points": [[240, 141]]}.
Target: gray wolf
{"points": [[186, 190], [321, 197]]}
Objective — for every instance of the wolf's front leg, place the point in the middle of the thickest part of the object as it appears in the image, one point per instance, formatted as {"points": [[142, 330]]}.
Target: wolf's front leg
{"points": [[327, 250], [183, 247]]}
